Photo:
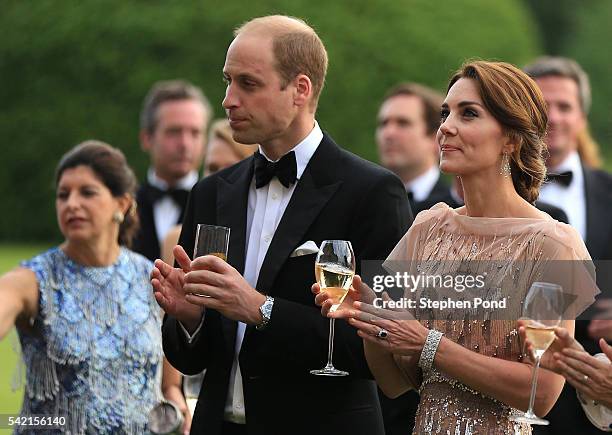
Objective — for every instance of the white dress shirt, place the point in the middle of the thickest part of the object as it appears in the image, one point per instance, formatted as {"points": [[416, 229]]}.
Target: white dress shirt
{"points": [[266, 207], [422, 185], [165, 211], [570, 199]]}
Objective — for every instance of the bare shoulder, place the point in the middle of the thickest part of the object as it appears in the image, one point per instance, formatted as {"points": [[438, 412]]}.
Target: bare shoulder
{"points": [[19, 287], [20, 278]]}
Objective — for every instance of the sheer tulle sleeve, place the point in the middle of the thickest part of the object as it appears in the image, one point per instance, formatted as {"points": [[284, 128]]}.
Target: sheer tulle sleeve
{"points": [[566, 262]]}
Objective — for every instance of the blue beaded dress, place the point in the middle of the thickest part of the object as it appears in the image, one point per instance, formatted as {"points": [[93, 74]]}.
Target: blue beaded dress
{"points": [[94, 352]]}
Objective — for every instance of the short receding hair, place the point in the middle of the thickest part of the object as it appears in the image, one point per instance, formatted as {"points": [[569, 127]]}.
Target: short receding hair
{"points": [[170, 90], [432, 101], [296, 46], [557, 66]]}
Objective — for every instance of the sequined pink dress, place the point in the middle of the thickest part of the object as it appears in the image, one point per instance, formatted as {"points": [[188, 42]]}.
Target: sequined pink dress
{"points": [[512, 253]]}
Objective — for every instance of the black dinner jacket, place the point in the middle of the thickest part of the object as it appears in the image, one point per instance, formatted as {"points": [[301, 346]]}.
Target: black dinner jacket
{"points": [[439, 193], [567, 415], [554, 212], [339, 196], [145, 242]]}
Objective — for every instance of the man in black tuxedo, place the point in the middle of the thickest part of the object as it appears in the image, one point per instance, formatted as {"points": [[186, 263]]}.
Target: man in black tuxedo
{"points": [[408, 120], [260, 333], [584, 193], [173, 124]]}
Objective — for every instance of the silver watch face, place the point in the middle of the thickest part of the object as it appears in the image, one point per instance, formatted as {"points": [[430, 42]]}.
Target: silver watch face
{"points": [[266, 308]]}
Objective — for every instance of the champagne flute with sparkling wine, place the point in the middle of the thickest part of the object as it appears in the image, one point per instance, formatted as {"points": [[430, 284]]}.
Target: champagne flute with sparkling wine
{"points": [[543, 307], [334, 270]]}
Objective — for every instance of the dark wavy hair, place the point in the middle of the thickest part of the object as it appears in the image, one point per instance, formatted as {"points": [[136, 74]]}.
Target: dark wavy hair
{"points": [[517, 103], [111, 167]]}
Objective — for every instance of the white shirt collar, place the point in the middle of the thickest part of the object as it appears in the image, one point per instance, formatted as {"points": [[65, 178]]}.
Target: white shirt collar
{"points": [[571, 199], [571, 163], [186, 183], [422, 185], [304, 150]]}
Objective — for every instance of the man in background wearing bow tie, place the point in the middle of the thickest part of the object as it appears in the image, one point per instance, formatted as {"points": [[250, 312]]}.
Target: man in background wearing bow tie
{"points": [[173, 124], [259, 333], [407, 122], [585, 194]]}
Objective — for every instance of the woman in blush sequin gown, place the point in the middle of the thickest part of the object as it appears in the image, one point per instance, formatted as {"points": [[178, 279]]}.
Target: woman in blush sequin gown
{"points": [[493, 121], [87, 321]]}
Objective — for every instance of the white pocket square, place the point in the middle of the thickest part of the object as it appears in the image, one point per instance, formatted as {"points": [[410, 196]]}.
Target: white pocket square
{"points": [[307, 248]]}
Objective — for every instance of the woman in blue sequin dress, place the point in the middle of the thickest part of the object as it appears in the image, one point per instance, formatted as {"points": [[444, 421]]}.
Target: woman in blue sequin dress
{"points": [[87, 321]]}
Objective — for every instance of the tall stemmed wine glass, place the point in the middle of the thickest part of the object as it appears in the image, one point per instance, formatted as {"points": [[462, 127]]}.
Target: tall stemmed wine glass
{"points": [[543, 307], [334, 270]]}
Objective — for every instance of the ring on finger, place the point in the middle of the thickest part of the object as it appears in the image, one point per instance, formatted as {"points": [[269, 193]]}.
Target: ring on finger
{"points": [[585, 378], [382, 333]]}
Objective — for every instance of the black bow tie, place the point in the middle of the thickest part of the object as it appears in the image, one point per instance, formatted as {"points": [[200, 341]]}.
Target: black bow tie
{"points": [[564, 178], [179, 196], [285, 170]]}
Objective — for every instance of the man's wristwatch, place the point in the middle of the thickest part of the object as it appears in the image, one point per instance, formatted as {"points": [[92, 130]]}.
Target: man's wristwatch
{"points": [[266, 312]]}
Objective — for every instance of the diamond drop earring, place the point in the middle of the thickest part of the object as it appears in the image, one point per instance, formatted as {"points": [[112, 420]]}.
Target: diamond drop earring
{"points": [[505, 169]]}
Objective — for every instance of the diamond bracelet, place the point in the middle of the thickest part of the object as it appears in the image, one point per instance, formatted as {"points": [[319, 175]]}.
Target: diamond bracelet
{"points": [[429, 349]]}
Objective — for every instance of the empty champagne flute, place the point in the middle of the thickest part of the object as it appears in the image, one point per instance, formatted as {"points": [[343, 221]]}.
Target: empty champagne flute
{"points": [[543, 307], [334, 271]]}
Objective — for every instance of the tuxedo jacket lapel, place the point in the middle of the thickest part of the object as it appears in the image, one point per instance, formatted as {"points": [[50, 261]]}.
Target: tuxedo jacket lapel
{"points": [[232, 205], [314, 189]]}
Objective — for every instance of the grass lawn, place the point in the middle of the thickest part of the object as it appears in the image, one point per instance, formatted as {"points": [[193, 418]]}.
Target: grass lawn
{"points": [[10, 401]]}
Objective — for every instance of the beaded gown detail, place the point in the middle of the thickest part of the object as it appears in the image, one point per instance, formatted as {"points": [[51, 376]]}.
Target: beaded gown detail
{"points": [[512, 253], [93, 354]]}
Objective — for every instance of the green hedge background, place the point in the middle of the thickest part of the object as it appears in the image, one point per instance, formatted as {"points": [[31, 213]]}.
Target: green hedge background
{"points": [[74, 70], [590, 45]]}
